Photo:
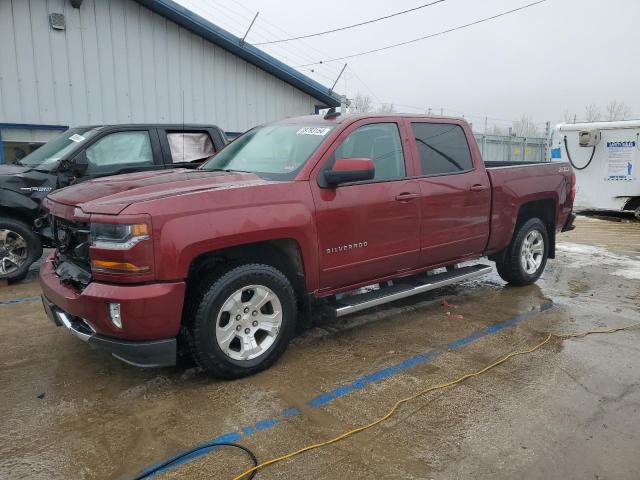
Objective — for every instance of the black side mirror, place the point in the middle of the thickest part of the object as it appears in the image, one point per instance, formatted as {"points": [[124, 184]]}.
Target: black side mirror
{"points": [[74, 167], [65, 165], [79, 164], [346, 170]]}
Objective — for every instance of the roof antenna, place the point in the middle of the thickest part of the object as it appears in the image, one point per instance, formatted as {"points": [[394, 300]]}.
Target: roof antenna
{"points": [[338, 78], [247, 32], [331, 114]]}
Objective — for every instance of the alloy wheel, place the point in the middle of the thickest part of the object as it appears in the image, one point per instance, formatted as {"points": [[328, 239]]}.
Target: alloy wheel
{"points": [[532, 252], [13, 251], [249, 322]]}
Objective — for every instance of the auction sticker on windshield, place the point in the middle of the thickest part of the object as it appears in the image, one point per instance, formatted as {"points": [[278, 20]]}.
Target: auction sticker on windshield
{"points": [[322, 131], [76, 138]]}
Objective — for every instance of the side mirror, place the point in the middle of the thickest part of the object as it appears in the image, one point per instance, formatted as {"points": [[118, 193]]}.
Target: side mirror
{"points": [[77, 165], [350, 170]]}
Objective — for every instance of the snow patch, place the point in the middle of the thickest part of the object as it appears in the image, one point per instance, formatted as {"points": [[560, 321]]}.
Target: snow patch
{"points": [[580, 256]]}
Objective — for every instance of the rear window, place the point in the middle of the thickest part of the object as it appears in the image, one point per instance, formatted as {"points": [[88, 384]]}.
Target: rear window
{"points": [[190, 146], [443, 148]]}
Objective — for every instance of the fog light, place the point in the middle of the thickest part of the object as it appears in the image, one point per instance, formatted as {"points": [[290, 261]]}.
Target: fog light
{"points": [[114, 314]]}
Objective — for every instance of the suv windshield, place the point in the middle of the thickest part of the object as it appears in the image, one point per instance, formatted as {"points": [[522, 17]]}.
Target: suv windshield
{"points": [[48, 155], [275, 152]]}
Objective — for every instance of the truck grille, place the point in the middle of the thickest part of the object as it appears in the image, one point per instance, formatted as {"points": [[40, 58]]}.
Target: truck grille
{"points": [[72, 241]]}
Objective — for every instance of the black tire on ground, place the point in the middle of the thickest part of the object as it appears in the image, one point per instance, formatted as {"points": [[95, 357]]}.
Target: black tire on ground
{"points": [[31, 252], [206, 304], [511, 268]]}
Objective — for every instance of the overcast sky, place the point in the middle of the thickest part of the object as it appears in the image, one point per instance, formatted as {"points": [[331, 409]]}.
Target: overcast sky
{"points": [[556, 56]]}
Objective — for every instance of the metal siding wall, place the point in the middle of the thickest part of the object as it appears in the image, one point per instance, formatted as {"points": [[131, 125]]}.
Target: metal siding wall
{"points": [[119, 62], [9, 100], [93, 77]]}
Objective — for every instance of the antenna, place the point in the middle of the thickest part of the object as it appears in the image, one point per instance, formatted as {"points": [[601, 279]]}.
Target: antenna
{"points": [[339, 75], [247, 32], [183, 125], [331, 114]]}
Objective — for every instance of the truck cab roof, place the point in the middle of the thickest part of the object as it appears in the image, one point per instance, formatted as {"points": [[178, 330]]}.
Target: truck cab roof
{"points": [[171, 126], [352, 117]]}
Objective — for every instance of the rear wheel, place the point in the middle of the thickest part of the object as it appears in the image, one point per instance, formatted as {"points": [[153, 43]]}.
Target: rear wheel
{"points": [[243, 321], [19, 248], [526, 255]]}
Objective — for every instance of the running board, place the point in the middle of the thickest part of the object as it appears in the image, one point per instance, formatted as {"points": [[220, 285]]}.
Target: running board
{"points": [[408, 287]]}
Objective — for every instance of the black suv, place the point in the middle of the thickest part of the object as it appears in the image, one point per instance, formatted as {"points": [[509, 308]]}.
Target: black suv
{"points": [[79, 154]]}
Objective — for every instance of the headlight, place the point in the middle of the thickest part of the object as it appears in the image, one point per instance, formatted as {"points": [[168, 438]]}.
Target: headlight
{"points": [[118, 236]]}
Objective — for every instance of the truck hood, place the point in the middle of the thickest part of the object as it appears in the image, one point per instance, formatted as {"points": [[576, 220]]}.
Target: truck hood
{"points": [[111, 195]]}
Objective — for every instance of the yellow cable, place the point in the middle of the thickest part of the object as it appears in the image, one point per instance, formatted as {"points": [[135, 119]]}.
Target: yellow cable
{"points": [[441, 386]]}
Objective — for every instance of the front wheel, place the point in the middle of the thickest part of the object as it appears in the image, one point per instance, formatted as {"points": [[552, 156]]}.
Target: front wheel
{"points": [[243, 321], [19, 248], [526, 255]]}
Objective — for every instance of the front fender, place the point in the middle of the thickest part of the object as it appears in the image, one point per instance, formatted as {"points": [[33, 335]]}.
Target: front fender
{"points": [[11, 200], [180, 239]]}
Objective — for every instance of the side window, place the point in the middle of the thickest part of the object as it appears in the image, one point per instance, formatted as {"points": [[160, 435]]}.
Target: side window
{"points": [[190, 146], [381, 143], [119, 150], [443, 148]]}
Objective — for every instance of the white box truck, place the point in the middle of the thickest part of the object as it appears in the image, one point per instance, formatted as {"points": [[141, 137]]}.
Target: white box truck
{"points": [[606, 159]]}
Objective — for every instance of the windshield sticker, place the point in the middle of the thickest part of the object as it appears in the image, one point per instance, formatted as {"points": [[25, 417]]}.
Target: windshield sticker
{"points": [[76, 138], [322, 131]]}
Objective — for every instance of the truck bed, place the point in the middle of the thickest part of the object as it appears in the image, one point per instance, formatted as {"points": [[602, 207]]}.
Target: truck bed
{"points": [[515, 183]]}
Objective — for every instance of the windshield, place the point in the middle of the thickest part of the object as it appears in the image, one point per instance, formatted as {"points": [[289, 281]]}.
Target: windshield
{"points": [[275, 152], [48, 155]]}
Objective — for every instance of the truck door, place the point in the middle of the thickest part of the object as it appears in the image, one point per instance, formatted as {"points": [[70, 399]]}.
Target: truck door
{"points": [[455, 194], [367, 230], [122, 151], [189, 146]]}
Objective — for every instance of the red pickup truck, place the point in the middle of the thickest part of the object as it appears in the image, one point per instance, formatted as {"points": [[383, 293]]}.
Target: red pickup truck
{"points": [[223, 261]]}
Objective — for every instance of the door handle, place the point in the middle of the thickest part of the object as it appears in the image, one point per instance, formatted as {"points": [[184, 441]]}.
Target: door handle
{"points": [[478, 188], [406, 196]]}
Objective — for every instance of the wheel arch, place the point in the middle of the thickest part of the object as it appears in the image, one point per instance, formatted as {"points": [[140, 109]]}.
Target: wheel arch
{"points": [[545, 210], [18, 207], [285, 254]]}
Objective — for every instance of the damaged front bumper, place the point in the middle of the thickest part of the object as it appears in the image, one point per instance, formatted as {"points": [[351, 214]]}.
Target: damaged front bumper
{"points": [[155, 353], [150, 314]]}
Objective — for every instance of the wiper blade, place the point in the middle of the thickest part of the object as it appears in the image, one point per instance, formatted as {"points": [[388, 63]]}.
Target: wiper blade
{"points": [[228, 170]]}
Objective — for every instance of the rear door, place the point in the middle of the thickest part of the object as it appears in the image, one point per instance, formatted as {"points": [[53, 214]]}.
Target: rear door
{"points": [[188, 147], [367, 230], [455, 193]]}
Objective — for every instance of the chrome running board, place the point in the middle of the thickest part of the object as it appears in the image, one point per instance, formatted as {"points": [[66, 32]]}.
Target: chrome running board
{"points": [[419, 284]]}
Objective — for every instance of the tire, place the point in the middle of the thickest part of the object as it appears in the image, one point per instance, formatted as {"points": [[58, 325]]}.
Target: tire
{"points": [[514, 267], [222, 321], [19, 248]]}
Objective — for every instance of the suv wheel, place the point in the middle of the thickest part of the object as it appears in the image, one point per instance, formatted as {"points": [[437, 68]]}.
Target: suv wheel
{"points": [[526, 255], [243, 321], [19, 248]]}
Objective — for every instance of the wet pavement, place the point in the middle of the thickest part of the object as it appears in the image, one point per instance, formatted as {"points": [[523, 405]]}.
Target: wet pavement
{"points": [[570, 410]]}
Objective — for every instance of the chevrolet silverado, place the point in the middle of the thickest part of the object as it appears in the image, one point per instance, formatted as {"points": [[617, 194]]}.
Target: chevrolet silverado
{"points": [[222, 262]]}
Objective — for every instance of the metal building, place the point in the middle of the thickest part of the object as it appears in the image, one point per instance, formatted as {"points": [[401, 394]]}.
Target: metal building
{"points": [[75, 62]]}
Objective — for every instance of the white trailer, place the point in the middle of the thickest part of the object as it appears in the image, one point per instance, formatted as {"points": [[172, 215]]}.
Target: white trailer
{"points": [[606, 160]]}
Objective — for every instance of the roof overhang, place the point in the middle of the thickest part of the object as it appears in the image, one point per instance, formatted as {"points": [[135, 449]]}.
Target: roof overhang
{"points": [[223, 39]]}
